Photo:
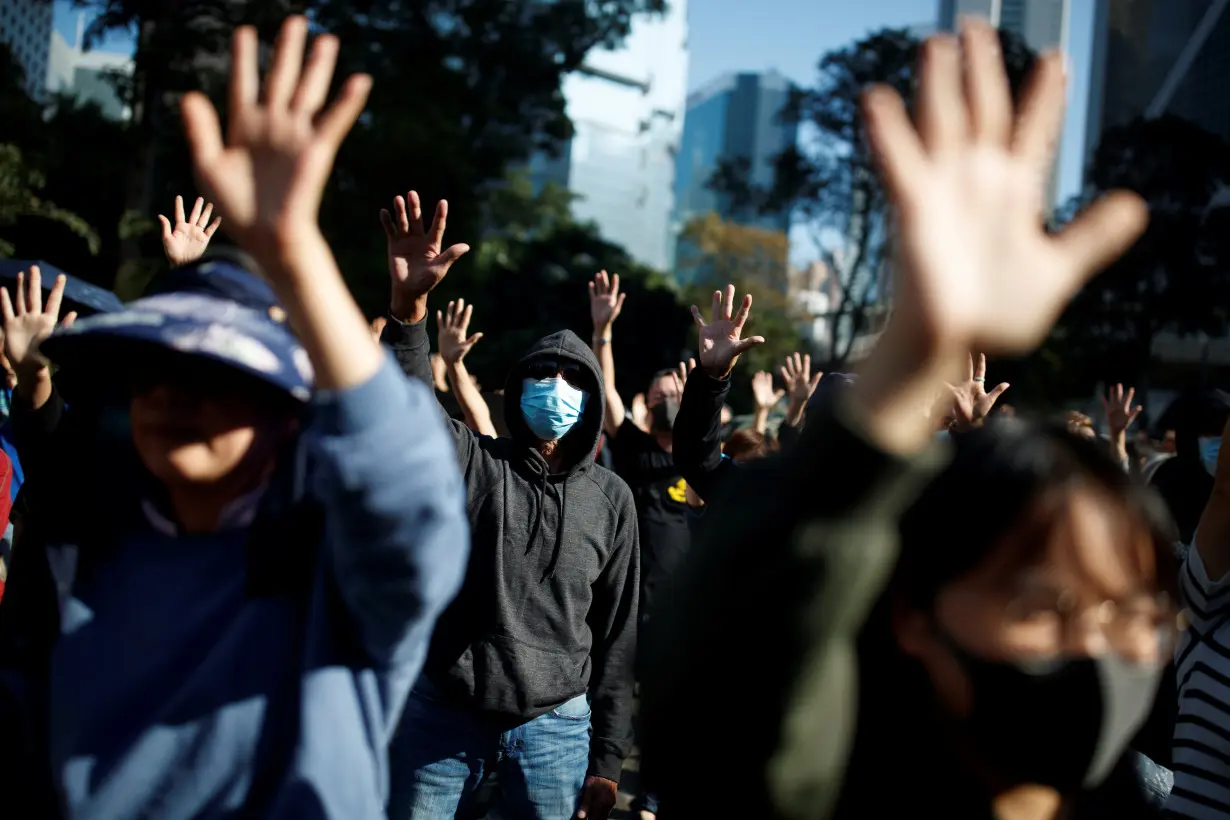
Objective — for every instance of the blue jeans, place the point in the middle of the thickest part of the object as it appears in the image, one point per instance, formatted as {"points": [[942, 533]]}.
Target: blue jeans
{"points": [[442, 752]]}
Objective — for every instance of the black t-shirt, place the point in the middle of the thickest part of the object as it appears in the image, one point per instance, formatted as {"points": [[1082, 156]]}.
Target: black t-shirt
{"points": [[661, 505]]}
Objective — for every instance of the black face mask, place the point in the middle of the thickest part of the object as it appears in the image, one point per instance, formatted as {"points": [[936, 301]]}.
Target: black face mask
{"points": [[662, 416], [1064, 724]]}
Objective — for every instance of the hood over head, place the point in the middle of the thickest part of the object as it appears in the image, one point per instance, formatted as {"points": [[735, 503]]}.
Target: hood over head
{"points": [[581, 443]]}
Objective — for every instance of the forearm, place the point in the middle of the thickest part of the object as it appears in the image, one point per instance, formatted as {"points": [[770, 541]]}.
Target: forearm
{"points": [[795, 413], [696, 438], [896, 387], [395, 510], [34, 389], [477, 414], [410, 346], [760, 420], [1118, 446], [601, 345], [324, 315]]}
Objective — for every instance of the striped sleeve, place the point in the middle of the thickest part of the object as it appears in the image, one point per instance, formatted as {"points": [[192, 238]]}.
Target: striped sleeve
{"points": [[1201, 750]]}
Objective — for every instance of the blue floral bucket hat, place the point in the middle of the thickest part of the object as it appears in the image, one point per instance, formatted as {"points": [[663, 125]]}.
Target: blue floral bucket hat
{"points": [[217, 309]]}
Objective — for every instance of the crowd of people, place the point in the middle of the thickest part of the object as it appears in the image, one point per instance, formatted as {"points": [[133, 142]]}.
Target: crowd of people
{"points": [[254, 569]]}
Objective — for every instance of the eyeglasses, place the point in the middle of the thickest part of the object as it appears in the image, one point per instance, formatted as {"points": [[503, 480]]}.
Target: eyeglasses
{"points": [[1139, 629], [571, 372]]}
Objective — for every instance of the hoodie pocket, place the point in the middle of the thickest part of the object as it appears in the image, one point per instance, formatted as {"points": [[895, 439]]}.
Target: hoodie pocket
{"points": [[516, 678]]}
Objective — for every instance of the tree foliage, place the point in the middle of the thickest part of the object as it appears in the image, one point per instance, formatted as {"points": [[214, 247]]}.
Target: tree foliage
{"points": [[828, 182], [715, 253], [1176, 277]]}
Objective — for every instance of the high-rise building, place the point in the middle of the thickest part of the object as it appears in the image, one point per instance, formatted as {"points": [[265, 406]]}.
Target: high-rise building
{"points": [[734, 118], [1042, 24], [25, 27], [87, 76], [627, 110], [1151, 58]]}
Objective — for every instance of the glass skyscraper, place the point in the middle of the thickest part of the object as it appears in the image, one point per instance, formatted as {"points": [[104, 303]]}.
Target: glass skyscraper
{"points": [[627, 109], [733, 118], [1152, 58], [1040, 23], [25, 27]]}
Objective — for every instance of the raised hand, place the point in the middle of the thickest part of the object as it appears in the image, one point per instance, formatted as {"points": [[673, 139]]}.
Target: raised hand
{"points": [[605, 302], [977, 268], [1120, 412], [971, 403], [416, 262], [377, 328], [31, 323], [721, 341], [269, 175], [797, 376], [187, 239], [640, 411], [685, 370], [453, 325], [763, 394]]}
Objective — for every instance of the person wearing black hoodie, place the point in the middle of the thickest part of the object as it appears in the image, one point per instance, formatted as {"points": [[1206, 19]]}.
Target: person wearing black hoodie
{"points": [[529, 674]]}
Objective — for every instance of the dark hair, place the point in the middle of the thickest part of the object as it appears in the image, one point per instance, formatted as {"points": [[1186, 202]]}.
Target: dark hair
{"points": [[998, 474], [993, 486], [746, 444]]}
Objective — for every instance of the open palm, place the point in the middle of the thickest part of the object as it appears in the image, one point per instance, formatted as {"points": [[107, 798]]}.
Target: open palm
{"points": [[971, 403], [416, 262], [29, 325], [271, 170], [453, 324], [721, 338], [187, 239], [967, 186]]}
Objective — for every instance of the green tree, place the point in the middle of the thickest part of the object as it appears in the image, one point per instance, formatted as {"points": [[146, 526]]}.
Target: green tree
{"points": [[463, 89], [1176, 278], [828, 181], [717, 253]]}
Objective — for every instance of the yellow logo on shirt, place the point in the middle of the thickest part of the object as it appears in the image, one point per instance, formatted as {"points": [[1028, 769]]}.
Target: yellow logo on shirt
{"points": [[679, 492]]}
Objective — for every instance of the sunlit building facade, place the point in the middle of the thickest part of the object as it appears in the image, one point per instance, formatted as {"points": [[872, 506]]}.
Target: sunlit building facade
{"points": [[627, 111], [25, 27]]}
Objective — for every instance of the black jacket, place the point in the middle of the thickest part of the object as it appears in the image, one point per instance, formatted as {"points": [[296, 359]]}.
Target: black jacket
{"points": [[549, 605], [697, 436]]}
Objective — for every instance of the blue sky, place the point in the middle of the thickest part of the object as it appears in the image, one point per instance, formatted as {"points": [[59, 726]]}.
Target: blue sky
{"points": [[790, 36]]}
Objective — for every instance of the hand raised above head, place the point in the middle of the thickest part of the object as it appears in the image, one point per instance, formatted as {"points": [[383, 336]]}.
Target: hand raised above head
{"points": [[605, 301], [453, 325], [417, 258], [187, 239], [29, 324], [721, 338], [977, 269], [268, 176]]}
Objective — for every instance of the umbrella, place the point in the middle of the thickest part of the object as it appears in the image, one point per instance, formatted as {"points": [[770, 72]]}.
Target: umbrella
{"points": [[79, 295]]}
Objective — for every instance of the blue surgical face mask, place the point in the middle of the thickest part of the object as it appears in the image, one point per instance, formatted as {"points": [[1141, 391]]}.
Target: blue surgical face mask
{"points": [[551, 407], [1209, 448]]}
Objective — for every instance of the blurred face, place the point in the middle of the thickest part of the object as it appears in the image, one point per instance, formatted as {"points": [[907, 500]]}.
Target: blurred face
{"points": [[1090, 590], [198, 425], [727, 414], [661, 389]]}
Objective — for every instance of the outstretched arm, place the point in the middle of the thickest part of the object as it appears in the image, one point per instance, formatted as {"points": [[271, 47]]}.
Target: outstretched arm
{"points": [[605, 304], [453, 325], [696, 438], [823, 540], [396, 530], [416, 265]]}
